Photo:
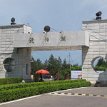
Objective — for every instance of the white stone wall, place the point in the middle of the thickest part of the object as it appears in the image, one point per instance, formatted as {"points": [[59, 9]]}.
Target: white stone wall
{"points": [[97, 47], [21, 56]]}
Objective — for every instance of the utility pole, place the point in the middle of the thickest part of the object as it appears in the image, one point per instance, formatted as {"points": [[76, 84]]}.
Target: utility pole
{"points": [[69, 61]]}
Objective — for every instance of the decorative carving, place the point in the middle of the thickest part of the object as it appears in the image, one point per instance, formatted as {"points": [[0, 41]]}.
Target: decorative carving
{"points": [[31, 40], [63, 38], [46, 39], [9, 64]]}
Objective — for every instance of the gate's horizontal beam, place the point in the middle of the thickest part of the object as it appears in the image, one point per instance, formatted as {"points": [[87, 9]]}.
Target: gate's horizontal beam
{"points": [[52, 40]]}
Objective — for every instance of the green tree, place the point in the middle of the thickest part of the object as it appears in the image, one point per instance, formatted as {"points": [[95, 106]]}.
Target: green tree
{"points": [[36, 65], [65, 72], [101, 64], [45, 65], [54, 65]]}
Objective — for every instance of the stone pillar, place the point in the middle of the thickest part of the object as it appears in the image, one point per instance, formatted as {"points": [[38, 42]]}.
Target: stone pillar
{"points": [[14, 62], [22, 57], [97, 47]]}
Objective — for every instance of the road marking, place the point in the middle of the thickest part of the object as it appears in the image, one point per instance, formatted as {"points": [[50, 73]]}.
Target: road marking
{"points": [[77, 94]]}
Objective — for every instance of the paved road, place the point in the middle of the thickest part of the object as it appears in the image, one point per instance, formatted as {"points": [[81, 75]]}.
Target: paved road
{"points": [[65, 100]]}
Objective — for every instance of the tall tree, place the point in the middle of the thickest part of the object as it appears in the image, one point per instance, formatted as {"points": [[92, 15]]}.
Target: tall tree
{"points": [[65, 72], [54, 65], [36, 65]]}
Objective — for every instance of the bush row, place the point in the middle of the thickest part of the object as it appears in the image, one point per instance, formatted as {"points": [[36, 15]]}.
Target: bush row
{"points": [[12, 94], [10, 80], [24, 85]]}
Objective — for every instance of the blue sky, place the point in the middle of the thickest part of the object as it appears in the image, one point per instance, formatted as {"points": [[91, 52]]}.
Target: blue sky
{"points": [[62, 15]]}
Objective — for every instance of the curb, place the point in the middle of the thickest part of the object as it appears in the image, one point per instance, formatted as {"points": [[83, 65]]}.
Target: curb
{"points": [[21, 99], [68, 89]]}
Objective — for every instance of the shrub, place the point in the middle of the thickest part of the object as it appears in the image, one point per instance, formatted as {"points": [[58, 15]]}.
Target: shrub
{"points": [[9, 80], [24, 85], [28, 89]]}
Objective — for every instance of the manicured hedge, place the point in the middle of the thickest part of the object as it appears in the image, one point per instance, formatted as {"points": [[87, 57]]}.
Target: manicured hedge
{"points": [[39, 88], [24, 85], [10, 80]]}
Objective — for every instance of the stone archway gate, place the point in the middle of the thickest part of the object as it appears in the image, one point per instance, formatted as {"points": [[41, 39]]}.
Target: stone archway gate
{"points": [[17, 42]]}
